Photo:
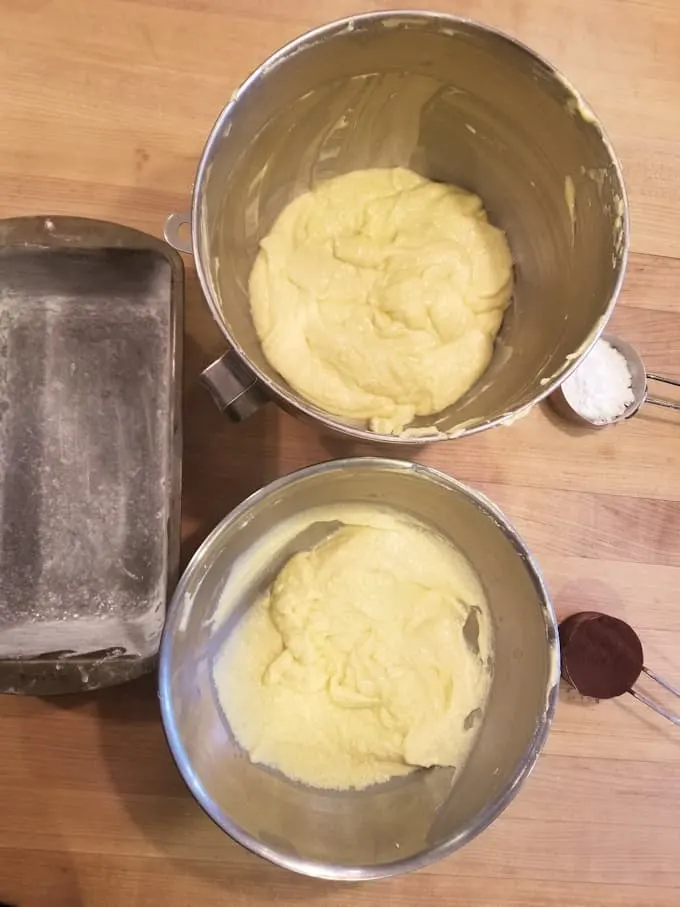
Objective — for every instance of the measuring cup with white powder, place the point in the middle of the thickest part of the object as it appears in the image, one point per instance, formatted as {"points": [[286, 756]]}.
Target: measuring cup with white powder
{"points": [[610, 385]]}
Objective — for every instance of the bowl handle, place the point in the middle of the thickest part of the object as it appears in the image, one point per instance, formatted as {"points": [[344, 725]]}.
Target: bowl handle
{"points": [[233, 387], [171, 231]]}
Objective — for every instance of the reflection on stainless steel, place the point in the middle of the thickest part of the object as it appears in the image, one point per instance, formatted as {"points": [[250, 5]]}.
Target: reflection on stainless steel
{"points": [[408, 822], [456, 102]]}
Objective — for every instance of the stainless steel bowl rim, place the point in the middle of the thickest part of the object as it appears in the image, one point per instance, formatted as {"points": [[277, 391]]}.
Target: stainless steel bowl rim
{"points": [[486, 816], [281, 393]]}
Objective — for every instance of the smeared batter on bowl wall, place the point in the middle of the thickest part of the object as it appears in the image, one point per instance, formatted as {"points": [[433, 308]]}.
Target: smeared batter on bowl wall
{"points": [[367, 657], [378, 295]]}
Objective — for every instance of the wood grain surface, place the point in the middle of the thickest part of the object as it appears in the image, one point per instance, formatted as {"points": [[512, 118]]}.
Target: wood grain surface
{"points": [[104, 108]]}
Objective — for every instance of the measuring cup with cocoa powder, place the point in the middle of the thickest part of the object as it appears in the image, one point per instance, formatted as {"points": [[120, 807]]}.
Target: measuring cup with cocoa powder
{"points": [[602, 657]]}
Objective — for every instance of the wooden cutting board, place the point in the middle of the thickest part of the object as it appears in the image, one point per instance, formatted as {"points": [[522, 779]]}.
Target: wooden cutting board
{"points": [[105, 107]]}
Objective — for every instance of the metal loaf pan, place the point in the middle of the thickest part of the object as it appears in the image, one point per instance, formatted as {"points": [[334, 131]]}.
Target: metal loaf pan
{"points": [[90, 451]]}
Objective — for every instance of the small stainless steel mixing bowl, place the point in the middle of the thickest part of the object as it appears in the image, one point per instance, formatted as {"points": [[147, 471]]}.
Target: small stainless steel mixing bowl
{"points": [[457, 102], [407, 822]]}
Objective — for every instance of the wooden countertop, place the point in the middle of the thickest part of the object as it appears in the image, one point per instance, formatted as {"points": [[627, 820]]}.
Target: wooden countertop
{"points": [[104, 109]]}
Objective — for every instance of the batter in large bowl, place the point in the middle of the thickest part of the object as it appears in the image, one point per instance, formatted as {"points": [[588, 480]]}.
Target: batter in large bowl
{"points": [[367, 657], [378, 295]]}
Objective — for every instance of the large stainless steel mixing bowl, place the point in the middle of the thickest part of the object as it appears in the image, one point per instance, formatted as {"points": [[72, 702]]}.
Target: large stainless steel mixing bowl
{"points": [[456, 102], [405, 823]]}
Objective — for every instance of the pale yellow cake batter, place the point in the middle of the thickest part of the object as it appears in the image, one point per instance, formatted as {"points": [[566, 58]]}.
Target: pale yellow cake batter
{"points": [[378, 295], [354, 667]]}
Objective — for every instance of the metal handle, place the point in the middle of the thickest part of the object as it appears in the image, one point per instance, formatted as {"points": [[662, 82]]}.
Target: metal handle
{"points": [[657, 401], [663, 380], [171, 231], [233, 387], [650, 702]]}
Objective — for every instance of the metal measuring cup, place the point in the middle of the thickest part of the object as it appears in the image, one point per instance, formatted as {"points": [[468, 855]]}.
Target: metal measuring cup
{"points": [[639, 378], [602, 657]]}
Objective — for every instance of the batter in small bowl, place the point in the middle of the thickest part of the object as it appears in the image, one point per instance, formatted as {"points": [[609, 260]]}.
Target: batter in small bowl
{"points": [[367, 657], [378, 295]]}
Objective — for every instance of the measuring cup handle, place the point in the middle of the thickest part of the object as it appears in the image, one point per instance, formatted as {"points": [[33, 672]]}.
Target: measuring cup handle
{"points": [[652, 377], [657, 401], [664, 683], [645, 700]]}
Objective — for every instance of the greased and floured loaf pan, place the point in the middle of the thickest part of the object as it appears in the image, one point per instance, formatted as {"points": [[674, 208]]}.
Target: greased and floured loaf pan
{"points": [[90, 451]]}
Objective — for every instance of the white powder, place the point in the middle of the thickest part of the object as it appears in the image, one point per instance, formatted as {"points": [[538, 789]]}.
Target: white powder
{"points": [[600, 388]]}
